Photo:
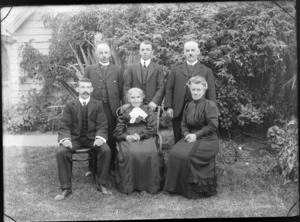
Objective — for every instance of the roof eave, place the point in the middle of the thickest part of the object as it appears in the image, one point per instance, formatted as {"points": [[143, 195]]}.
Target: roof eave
{"points": [[18, 21]]}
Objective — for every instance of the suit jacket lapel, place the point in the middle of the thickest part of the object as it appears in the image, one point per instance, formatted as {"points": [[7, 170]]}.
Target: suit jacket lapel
{"points": [[91, 106], [197, 68], [184, 69], [138, 71], [150, 70], [98, 71], [109, 70], [77, 109]]}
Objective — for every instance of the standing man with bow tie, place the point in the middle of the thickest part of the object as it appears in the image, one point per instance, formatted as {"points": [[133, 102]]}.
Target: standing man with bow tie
{"points": [[146, 75], [83, 125], [107, 81], [177, 93]]}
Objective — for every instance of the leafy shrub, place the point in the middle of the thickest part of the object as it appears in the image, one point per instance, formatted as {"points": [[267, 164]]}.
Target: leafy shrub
{"points": [[285, 141], [276, 137], [251, 48], [32, 114]]}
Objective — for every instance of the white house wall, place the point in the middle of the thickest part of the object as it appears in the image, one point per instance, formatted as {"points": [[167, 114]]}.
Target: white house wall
{"points": [[32, 30]]}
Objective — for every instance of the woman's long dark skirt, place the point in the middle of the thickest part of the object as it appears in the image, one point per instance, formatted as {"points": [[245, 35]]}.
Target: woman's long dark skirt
{"points": [[191, 168]]}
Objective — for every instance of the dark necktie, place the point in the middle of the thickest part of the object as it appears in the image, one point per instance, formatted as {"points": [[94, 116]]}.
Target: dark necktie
{"points": [[145, 65], [84, 104]]}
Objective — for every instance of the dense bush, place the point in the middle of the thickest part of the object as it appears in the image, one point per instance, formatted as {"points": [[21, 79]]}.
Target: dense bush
{"points": [[284, 140], [31, 114], [250, 46]]}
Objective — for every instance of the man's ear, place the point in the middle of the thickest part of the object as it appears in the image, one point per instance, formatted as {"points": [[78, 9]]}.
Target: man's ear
{"points": [[77, 88], [92, 89]]}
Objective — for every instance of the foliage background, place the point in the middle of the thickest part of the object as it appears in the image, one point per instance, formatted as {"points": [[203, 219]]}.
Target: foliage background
{"points": [[250, 46]]}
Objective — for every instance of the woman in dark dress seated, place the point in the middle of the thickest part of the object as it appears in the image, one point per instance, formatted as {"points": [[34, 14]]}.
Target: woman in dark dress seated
{"points": [[137, 164], [191, 164]]}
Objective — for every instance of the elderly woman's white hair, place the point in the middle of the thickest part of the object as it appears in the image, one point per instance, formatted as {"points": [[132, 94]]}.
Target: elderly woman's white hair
{"points": [[197, 80], [130, 91]]}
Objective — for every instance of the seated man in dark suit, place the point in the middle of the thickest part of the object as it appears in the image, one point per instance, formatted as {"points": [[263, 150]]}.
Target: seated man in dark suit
{"points": [[83, 124]]}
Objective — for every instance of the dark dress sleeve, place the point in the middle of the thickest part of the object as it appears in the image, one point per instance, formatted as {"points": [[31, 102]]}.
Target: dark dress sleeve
{"points": [[211, 120], [151, 124], [120, 131], [184, 128]]}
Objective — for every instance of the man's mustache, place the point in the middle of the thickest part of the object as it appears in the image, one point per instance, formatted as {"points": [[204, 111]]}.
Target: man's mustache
{"points": [[86, 93]]}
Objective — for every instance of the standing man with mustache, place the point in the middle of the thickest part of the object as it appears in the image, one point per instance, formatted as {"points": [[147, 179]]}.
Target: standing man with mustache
{"points": [[83, 125], [177, 93], [107, 81], [146, 75]]}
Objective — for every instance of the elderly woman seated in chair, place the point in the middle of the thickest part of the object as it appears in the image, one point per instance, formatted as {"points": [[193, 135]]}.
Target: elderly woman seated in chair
{"points": [[137, 163]]}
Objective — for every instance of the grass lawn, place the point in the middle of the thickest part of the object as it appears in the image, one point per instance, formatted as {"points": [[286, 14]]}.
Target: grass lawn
{"points": [[31, 182]]}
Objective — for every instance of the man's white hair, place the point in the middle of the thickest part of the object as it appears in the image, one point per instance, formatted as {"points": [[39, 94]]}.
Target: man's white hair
{"points": [[191, 42], [102, 43]]}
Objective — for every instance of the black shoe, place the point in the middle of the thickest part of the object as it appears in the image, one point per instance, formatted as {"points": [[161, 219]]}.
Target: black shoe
{"points": [[63, 195], [104, 190]]}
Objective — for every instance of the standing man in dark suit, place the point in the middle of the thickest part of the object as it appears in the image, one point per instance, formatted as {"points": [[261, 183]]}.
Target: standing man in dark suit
{"points": [[107, 81], [146, 75], [83, 124], [177, 93]]}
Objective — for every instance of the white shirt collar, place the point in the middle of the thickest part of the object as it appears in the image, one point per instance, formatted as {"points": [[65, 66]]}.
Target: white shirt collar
{"points": [[84, 100], [147, 62], [193, 63], [104, 64]]}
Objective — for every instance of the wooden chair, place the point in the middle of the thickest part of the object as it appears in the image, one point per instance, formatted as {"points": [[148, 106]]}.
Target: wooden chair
{"points": [[77, 156]]}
